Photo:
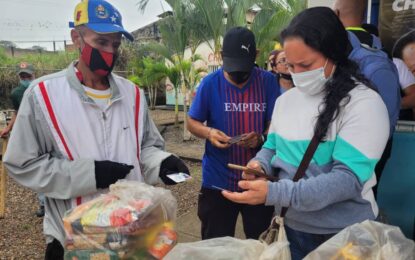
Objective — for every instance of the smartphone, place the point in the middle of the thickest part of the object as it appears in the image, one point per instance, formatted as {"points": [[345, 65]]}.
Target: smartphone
{"points": [[252, 171], [218, 188], [179, 177]]}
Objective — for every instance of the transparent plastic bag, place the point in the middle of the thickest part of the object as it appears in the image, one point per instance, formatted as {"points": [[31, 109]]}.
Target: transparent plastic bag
{"points": [[369, 240], [134, 220], [218, 248], [280, 248], [232, 248]]}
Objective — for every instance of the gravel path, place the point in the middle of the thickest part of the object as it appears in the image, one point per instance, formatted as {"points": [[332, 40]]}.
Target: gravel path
{"points": [[21, 231]]}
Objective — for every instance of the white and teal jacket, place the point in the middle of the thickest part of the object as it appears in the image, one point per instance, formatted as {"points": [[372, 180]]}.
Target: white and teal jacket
{"points": [[337, 189]]}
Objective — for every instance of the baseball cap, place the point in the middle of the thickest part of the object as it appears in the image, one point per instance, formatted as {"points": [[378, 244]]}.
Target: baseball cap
{"points": [[239, 50], [25, 67], [99, 16]]}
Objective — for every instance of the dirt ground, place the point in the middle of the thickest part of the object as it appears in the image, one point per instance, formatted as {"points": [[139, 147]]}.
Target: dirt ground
{"points": [[21, 231]]}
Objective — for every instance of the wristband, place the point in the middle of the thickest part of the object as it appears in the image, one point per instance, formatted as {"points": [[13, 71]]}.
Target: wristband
{"points": [[208, 134]]}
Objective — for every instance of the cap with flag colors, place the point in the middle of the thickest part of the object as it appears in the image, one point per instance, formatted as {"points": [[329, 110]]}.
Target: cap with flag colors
{"points": [[99, 16]]}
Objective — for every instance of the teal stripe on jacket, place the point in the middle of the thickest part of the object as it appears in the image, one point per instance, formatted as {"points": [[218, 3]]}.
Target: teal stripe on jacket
{"points": [[292, 152]]}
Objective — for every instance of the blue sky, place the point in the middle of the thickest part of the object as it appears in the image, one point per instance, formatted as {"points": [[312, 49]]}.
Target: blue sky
{"points": [[47, 20]]}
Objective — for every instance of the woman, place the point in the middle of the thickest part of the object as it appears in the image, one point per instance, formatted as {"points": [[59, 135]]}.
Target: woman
{"points": [[279, 67], [333, 101]]}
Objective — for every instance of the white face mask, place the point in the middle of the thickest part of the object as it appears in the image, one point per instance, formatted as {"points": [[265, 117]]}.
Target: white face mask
{"points": [[310, 82]]}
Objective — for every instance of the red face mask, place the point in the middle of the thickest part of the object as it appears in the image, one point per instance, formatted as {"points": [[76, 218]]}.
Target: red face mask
{"points": [[99, 62]]}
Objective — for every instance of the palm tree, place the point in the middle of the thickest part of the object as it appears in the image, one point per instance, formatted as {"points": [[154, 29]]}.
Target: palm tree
{"points": [[196, 21], [177, 36], [190, 77], [272, 17], [149, 75]]}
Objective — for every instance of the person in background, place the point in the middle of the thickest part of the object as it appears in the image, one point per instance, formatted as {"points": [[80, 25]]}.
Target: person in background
{"points": [[236, 103], [26, 74], [332, 101], [404, 49], [82, 129], [407, 82], [403, 54], [385, 80], [278, 66]]}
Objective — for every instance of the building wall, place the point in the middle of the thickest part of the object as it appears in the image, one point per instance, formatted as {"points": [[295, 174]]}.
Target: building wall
{"points": [[17, 52], [314, 3]]}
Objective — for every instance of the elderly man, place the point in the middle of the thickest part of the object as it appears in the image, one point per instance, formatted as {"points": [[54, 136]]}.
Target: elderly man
{"points": [[84, 128]]}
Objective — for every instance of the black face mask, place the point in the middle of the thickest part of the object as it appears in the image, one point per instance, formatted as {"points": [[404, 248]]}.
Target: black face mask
{"points": [[239, 76], [286, 76], [99, 62]]}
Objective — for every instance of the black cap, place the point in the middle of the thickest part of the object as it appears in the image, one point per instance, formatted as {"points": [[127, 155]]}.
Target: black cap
{"points": [[239, 50], [402, 42]]}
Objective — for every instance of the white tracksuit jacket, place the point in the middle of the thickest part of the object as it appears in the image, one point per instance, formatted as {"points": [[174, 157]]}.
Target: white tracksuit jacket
{"points": [[60, 132]]}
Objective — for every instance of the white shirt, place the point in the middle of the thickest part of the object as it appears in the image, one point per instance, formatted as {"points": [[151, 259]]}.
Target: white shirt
{"points": [[406, 78], [101, 97]]}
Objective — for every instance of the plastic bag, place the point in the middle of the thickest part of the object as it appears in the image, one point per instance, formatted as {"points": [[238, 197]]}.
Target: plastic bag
{"points": [[134, 220], [217, 248], [369, 240], [225, 248], [275, 236]]}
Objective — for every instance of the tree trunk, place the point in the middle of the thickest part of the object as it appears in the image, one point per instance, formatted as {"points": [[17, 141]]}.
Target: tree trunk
{"points": [[176, 107], [150, 96], [155, 97], [186, 134]]}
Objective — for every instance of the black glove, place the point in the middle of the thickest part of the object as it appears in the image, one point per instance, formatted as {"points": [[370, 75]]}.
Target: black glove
{"points": [[107, 172], [170, 165]]}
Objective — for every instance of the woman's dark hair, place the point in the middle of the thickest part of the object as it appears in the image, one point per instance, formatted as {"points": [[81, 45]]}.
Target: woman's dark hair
{"points": [[401, 43], [321, 30], [275, 54]]}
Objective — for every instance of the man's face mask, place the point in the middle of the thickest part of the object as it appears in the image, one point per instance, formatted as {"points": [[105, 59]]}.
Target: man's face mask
{"points": [[312, 81], [99, 62], [239, 76], [25, 82]]}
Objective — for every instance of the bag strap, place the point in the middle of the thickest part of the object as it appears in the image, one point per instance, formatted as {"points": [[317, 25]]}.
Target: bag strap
{"points": [[311, 149]]}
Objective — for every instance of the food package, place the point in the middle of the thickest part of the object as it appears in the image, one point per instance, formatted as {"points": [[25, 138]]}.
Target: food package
{"points": [[133, 221], [369, 240]]}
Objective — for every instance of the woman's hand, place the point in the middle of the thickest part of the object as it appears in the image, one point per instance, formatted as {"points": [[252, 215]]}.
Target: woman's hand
{"points": [[249, 176], [255, 192]]}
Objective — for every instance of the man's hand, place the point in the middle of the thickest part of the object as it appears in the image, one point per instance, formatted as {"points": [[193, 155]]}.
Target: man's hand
{"points": [[108, 172], [171, 165], [251, 140], [255, 192], [218, 138], [5, 132]]}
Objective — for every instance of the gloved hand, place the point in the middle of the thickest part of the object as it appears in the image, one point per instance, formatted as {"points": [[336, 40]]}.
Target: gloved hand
{"points": [[108, 172], [170, 165]]}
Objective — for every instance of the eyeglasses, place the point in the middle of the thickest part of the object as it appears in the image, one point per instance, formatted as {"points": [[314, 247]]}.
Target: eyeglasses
{"points": [[282, 61]]}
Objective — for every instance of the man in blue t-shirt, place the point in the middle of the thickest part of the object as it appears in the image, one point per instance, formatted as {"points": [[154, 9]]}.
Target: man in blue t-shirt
{"points": [[236, 100]]}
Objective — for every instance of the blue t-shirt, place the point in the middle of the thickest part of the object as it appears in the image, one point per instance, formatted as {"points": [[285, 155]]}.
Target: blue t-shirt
{"points": [[234, 111]]}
